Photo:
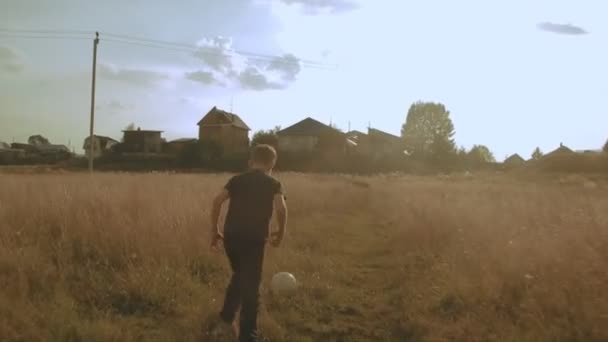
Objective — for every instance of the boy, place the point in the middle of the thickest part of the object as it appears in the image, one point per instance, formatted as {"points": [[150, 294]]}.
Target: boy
{"points": [[252, 195]]}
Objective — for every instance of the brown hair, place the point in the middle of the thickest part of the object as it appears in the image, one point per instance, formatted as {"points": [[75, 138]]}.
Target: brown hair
{"points": [[264, 154]]}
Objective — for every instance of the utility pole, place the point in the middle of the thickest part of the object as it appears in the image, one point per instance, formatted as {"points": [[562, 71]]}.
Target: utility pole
{"points": [[91, 140]]}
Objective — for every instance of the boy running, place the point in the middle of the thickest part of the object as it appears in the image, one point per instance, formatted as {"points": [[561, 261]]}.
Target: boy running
{"points": [[252, 195]]}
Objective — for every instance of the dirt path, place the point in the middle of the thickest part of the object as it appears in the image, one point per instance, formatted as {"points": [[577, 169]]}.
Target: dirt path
{"points": [[346, 297]]}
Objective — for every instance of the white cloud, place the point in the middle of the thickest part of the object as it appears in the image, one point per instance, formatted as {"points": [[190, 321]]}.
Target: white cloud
{"points": [[140, 77], [204, 77], [313, 7], [253, 79], [288, 66], [114, 107], [566, 29], [216, 53], [223, 66]]}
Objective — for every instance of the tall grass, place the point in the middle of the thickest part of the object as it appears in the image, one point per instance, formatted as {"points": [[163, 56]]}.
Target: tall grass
{"points": [[124, 257]]}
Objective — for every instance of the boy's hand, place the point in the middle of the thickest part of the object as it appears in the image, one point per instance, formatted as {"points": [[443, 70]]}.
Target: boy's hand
{"points": [[216, 239], [275, 239]]}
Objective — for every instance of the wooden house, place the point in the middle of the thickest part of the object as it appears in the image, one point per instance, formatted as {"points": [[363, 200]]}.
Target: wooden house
{"points": [[224, 129]]}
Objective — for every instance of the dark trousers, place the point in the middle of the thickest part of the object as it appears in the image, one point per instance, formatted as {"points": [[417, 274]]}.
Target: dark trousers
{"points": [[246, 258]]}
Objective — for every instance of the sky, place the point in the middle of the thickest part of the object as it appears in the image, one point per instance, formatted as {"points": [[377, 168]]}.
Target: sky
{"points": [[514, 74]]}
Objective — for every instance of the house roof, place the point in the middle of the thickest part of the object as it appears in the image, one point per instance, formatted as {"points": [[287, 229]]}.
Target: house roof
{"points": [[588, 151], [355, 133], [560, 150], [4, 146], [224, 117], [182, 140], [385, 135], [52, 148], [515, 158], [141, 131], [307, 127], [103, 138]]}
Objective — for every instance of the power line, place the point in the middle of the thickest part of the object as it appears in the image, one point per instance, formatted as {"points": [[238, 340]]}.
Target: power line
{"points": [[206, 50], [10, 35], [191, 49], [213, 52], [197, 47], [160, 44], [120, 41], [82, 32]]}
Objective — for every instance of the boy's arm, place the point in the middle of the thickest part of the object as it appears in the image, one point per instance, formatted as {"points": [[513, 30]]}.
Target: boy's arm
{"points": [[216, 208], [280, 208]]}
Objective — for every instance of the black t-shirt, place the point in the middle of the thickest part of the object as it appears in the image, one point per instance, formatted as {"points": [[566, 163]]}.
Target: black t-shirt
{"points": [[251, 204]]}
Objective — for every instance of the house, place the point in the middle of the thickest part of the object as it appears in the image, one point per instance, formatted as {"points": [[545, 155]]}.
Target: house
{"points": [[560, 151], [355, 136], [377, 143], [307, 135], [101, 145], [224, 129], [26, 148], [9, 155], [384, 144], [41, 150], [141, 141], [589, 152], [514, 160], [52, 149]]}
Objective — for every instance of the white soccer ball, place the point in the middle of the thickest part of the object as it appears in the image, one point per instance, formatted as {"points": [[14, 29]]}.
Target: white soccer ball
{"points": [[284, 283]]}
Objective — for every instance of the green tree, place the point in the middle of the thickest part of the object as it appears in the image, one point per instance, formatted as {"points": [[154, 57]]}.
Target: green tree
{"points": [[428, 132], [38, 140], [268, 137], [462, 152], [537, 154], [605, 148], [130, 127], [480, 154]]}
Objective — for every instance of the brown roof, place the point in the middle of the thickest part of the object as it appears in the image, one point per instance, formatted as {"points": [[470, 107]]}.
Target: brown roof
{"points": [[355, 134], [307, 127], [223, 118], [182, 140], [141, 131], [515, 158], [377, 132], [562, 149], [103, 139]]}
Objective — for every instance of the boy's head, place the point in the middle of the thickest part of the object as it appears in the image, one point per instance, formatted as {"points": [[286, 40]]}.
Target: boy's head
{"points": [[263, 157]]}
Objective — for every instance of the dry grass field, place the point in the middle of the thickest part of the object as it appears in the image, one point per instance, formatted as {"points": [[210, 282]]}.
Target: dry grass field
{"points": [[124, 257]]}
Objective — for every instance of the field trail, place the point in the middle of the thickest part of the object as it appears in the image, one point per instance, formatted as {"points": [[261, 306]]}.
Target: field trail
{"points": [[343, 296]]}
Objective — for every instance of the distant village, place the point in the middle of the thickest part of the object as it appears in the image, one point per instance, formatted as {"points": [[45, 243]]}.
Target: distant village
{"points": [[230, 134], [219, 127]]}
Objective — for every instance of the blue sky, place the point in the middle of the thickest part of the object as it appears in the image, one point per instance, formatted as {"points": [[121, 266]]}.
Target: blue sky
{"points": [[508, 84]]}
